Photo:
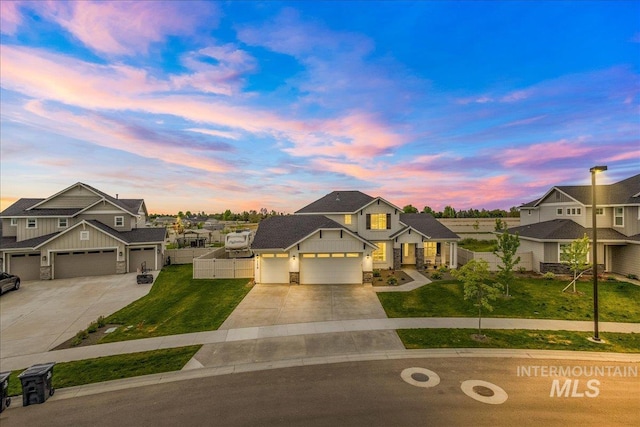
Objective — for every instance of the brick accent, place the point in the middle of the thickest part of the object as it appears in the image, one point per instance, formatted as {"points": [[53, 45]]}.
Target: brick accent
{"points": [[397, 264], [121, 267], [294, 278], [45, 272], [419, 257]]}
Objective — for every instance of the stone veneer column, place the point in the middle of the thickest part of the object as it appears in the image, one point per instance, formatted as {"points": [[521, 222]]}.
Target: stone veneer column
{"points": [[45, 272], [367, 277], [419, 257], [121, 267], [294, 277], [397, 264]]}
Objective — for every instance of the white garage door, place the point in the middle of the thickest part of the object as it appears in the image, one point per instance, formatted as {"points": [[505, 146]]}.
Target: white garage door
{"points": [[80, 264], [25, 266], [274, 269], [330, 269]]}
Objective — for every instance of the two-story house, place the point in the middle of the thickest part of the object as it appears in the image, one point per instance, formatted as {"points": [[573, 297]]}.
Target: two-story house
{"points": [[342, 237], [564, 214], [79, 231]]}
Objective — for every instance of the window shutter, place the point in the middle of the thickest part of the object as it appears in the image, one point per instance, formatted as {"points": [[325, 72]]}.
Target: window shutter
{"points": [[388, 221], [368, 221]]}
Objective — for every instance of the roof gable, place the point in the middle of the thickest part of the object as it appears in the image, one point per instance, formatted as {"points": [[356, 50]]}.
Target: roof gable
{"points": [[623, 192], [338, 202], [426, 225]]}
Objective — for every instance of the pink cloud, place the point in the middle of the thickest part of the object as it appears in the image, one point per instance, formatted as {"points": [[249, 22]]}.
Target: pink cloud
{"points": [[629, 155], [10, 17], [128, 27], [543, 152]]}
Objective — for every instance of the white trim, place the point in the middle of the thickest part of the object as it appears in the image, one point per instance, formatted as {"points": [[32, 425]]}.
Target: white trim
{"points": [[115, 221], [14, 222], [66, 222], [35, 223], [84, 235], [616, 216]]}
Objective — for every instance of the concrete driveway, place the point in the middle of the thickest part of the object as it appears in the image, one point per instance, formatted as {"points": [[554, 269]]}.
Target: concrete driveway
{"points": [[43, 314]]}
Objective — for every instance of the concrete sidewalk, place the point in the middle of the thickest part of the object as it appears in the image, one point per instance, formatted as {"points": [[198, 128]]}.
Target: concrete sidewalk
{"points": [[419, 280], [302, 329]]}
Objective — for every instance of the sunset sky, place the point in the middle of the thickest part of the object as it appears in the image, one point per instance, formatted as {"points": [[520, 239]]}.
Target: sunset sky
{"points": [[207, 106]]}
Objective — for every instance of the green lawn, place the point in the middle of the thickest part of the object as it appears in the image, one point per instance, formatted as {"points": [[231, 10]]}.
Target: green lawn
{"points": [[178, 304], [69, 374], [476, 245], [518, 339], [531, 299]]}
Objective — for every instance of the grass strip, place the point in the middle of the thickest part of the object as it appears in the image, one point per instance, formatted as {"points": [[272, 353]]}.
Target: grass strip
{"points": [[519, 339], [178, 304], [89, 371], [530, 299]]}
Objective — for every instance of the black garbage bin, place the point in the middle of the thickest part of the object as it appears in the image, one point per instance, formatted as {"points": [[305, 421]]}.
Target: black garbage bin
{"points": [[36, 383], [5, 400]]}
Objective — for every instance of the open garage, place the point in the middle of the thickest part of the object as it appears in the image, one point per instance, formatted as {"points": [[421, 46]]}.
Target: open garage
{"points": [[137, 256], [26, 266], [84, 263], [331, 269]]}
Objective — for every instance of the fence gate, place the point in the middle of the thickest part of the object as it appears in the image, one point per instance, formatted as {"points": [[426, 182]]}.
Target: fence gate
{"points": [[212, 268]]}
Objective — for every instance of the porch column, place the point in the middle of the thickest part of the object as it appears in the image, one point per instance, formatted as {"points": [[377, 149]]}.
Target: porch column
{"points": [[419, 257], [397, 253], [453, 255]]}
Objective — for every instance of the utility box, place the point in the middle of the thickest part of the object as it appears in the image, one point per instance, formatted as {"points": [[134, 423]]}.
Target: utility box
{"points": [[5, 400], [36, 384]]}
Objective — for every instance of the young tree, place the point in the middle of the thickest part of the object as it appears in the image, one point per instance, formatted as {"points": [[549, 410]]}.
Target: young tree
{"points": [[474, 275], [500, 225], [575, 254], [508, 245]]}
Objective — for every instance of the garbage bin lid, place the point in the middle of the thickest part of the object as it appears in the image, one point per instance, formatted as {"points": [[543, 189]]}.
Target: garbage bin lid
{"points": [[38, 369]]}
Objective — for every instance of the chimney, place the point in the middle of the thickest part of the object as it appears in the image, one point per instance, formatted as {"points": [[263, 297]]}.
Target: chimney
{"points": [[116, 196], [338, 197]]}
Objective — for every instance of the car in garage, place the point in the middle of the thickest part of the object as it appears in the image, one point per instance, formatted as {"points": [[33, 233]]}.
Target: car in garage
{"points": [[8, 282]]}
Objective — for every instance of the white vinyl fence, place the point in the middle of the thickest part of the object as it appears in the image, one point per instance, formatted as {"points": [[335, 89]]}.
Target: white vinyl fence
{"points": [[212, 268], [465, 255]]}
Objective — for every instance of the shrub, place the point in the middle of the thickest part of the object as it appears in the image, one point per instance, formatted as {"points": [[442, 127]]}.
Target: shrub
{"points": [[81, 335], [632, 276], [376, 273], [76, 341], [93, 327], [443, 269], [101, 322], [392, 281], [522, 270], [436, 276], [548, 275]]}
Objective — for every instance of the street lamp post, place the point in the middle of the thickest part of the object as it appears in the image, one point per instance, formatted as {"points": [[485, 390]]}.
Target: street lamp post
{"points": [[594, 226]]}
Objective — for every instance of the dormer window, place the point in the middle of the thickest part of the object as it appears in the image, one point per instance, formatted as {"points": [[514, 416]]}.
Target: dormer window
{"points": [[119, 221]]}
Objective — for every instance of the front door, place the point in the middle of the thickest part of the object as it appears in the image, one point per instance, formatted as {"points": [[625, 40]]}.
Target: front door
{"points": [[409, 253]]}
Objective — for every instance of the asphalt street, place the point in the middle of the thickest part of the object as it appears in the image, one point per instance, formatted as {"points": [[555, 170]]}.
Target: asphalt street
{"points": [[405, 392]]}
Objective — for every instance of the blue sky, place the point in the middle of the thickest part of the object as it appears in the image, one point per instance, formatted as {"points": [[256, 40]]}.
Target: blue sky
{"points": [[207, 106]]}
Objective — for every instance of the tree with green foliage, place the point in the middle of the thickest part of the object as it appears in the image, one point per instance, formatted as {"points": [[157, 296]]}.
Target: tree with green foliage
{"points": [[508, 245], [575, 255], [474, 275], [500, 225], [449, 212], [410, 209]]}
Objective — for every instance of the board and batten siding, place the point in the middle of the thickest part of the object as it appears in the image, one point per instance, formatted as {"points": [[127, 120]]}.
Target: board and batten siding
{"points": [[71, 241], [110, 220], [44, 226], [331, 242], [77, 197], [9, 230]]}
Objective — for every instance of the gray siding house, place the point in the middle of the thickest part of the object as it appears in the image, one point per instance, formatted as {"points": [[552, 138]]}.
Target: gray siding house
{"points": [[79, 231], [564, 214], [342, 237]]}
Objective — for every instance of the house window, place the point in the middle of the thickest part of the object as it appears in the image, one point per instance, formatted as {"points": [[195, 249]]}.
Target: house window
{"points": [[378, 221], [32, 223], [574, 211], [618, 217], [562, 247], [559, 211], [119, 220], [599, 211], [84, 235], [308, 255], [14, 222], [347, 220], [63, 222], [430, 249], [380, 254]]}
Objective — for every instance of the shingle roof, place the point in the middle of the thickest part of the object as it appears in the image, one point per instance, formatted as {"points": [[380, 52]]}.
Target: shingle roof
{"points": [[564, 229], [145, 235], [338, 202], [426, 224], [280, 232], [29, 243]]}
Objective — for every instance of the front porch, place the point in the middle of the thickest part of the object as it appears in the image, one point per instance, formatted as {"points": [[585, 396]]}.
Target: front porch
{"points": [[425, 255]]}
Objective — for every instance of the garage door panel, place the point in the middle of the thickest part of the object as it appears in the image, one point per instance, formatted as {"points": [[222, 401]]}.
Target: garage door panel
{"points": [[274, 270], [25, 266], [139, 255], [330, 271], [87, 263]]}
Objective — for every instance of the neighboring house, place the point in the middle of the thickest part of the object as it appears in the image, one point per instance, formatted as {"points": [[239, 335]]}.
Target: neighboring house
{"points": [[342, 237], [564, 214], [79, 231]]}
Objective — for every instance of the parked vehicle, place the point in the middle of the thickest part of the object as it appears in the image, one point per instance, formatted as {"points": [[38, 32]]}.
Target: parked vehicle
{"points": [[237, 244], [8, 282]]}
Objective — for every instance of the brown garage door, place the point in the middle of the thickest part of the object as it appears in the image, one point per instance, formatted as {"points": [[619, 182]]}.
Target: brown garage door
{"points": [[89, 263], [139, 255], [25, 266]]}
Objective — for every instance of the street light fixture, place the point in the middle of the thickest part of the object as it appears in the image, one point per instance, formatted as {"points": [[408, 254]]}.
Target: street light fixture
{"points": [[594, 226]]}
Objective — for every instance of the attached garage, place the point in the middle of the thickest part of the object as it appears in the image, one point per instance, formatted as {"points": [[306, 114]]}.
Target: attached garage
{"points": [[274, 268], [331, 269], [84, 263], [25, 266], [139, 255]]}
